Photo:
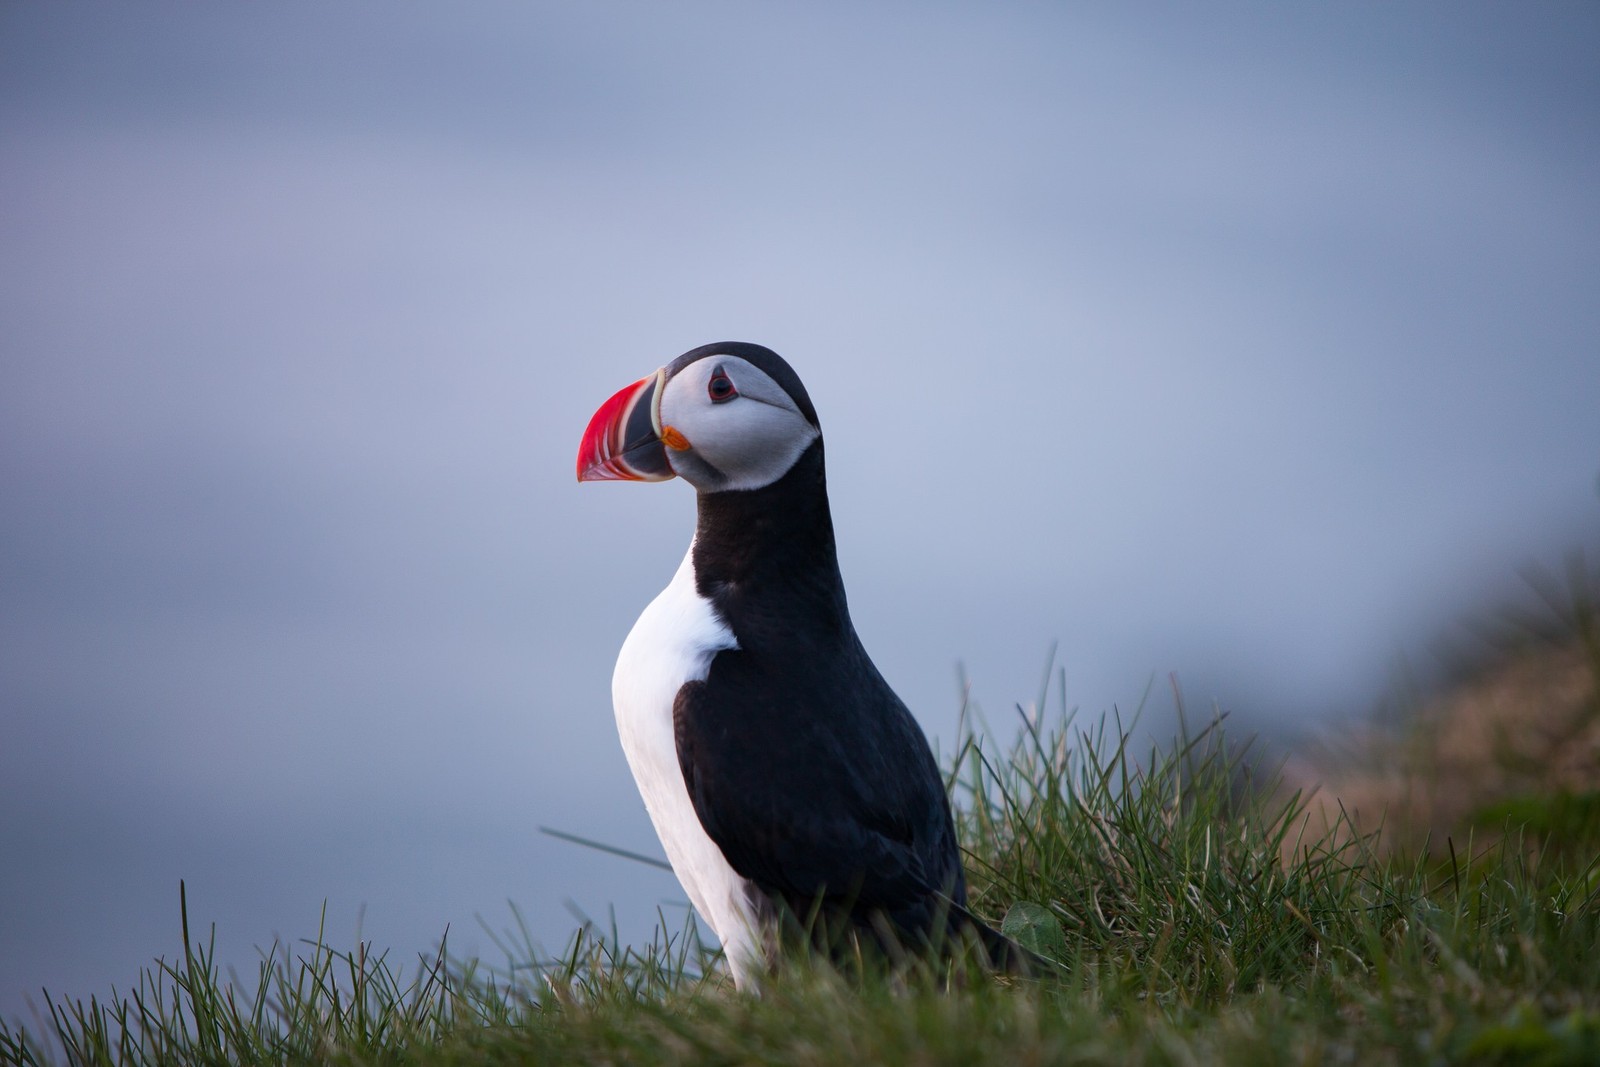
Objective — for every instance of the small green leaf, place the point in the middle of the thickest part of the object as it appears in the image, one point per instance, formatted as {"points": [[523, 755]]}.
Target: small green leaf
{"points": [[1034, 928]]}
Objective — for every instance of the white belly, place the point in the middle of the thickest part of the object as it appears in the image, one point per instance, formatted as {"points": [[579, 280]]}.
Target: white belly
{"points": [[672, 643]]}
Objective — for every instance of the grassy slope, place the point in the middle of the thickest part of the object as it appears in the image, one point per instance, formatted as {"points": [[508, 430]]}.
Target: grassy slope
{"points": [[1197, 921]]}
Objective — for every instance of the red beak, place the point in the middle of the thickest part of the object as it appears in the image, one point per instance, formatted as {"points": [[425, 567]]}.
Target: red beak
{"points": [[623, 441]]}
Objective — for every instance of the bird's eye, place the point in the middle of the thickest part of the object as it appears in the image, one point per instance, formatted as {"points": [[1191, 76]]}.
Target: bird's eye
{"points": [[720, 388]]}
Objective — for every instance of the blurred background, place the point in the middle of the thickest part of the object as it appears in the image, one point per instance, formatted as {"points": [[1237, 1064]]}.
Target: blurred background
{"points": [[1251, 343]]}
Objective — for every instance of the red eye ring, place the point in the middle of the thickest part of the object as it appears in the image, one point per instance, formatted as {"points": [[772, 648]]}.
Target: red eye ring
{"points": [[720, 388]]}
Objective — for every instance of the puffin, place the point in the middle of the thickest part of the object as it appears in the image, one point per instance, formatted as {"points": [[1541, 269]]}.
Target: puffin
{"points": [[791, 788]]}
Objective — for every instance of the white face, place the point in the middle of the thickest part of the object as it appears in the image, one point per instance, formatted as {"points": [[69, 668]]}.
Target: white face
{"points": [[727, 425]]}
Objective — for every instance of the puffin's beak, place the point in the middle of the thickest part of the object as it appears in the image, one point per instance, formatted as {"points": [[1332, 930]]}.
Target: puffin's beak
{"points": [[623, 441]]}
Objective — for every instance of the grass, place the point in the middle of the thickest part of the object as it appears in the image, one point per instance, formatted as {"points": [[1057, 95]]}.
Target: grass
{"points": [[1200, 915]]}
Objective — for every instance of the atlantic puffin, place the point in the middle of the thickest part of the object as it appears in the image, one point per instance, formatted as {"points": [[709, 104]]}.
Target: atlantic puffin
{"points": [[785, 778]]}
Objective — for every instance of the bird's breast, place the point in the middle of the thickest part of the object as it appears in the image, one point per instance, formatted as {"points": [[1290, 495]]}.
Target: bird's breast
{"points": [[674, 642]]}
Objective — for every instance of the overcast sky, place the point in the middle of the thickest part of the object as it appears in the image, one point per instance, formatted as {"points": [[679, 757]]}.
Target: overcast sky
{"points": [[1252, 343]]}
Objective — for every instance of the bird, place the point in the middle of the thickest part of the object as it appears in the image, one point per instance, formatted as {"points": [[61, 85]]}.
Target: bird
{"points": [[787, 782]]}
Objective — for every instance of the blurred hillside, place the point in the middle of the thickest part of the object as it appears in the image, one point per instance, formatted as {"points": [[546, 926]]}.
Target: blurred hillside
{"points": [[1509, 742]]}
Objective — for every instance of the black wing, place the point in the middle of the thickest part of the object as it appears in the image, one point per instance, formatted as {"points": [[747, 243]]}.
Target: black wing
{"points": [[818, 784]]}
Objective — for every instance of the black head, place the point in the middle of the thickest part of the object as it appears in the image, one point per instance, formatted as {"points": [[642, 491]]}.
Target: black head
{"points": [[730, 415]]}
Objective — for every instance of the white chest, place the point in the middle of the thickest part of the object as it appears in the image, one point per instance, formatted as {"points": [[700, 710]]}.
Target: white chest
{"points": [[674, 642]]}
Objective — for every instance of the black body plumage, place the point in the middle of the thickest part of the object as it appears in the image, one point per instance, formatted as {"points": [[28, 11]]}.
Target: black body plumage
{"points": [[803, 765]]}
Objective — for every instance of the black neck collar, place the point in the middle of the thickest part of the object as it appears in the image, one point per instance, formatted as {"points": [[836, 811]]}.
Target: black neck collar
{"points": [[766, 557]]}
